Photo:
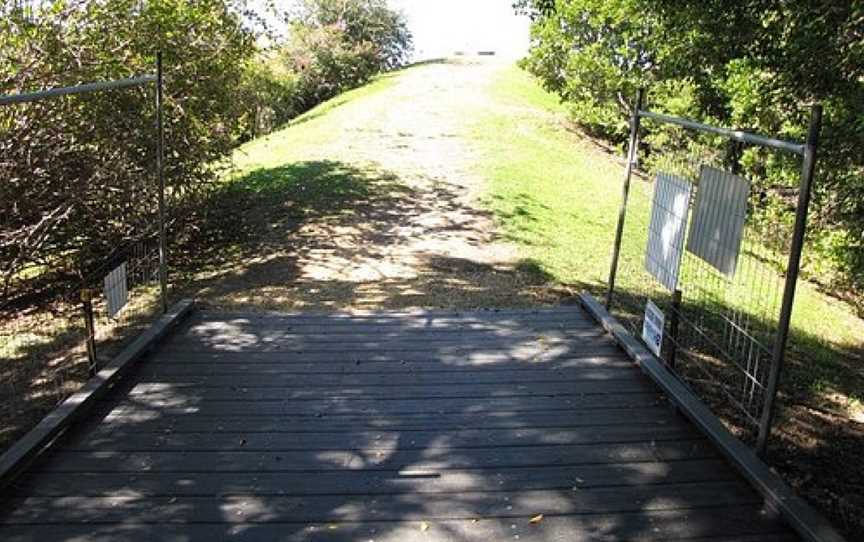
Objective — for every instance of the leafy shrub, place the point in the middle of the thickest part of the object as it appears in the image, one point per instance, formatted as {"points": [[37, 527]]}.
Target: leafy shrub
{"points": [[269, 92], [77, 177]]}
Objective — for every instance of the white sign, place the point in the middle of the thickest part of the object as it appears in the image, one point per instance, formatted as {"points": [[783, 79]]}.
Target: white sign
{"points": [[718, 223], [652, 328], [666, 230], [116, 291]]}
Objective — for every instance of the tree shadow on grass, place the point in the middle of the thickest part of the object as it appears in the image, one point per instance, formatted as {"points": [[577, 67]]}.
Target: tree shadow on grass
{"points": [[248, 208], [329, 235]]}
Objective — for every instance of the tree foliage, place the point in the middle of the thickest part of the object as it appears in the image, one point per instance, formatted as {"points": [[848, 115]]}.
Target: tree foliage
{"points": [[335, 45], [753, 65], [78, 173]]}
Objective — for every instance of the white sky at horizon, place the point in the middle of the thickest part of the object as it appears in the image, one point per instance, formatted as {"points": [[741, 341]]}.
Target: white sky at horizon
{"points": [[442, 27]]}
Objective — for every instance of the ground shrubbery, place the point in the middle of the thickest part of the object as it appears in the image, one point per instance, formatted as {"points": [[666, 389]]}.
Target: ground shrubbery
{"points": [[752, 65], [77, 174]]}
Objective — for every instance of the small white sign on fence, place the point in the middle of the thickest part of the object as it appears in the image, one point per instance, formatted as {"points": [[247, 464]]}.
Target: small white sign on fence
{"points": [[652, 327], [116, 290]]}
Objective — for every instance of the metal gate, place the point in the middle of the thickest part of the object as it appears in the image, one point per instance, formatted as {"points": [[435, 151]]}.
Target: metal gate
{"points": [[708, 246]]}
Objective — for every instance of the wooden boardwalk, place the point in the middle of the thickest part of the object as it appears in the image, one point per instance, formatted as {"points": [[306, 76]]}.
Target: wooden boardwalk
{"points": [[388, 427]]}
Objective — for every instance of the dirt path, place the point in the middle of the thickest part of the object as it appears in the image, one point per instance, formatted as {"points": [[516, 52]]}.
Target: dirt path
{"points": [[420, 239]]}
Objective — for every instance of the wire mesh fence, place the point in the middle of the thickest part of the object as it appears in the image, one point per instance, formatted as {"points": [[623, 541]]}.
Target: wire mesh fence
{"points": [[79, 284], [126, 296], [709, 240]]}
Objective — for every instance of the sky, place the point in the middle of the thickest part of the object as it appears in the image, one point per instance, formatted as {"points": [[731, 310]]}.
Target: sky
{"points": [[441, 27]]}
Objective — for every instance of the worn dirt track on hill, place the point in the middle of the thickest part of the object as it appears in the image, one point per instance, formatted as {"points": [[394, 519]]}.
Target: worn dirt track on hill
{"points": [[418, 238]]}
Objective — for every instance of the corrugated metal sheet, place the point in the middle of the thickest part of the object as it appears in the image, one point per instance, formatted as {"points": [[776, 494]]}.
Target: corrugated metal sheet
{"points": [[666, 229], [116, 290], [718, 219]]}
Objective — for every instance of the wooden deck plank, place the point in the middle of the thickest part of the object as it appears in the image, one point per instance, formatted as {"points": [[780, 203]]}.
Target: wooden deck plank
{"points": [[349, 334], [145, 422], [387, 507], [355, 440], [359, 366], [453, 357], [450, 531], [440, 457], [572, 313], [493, 344], [325, 379], [608, 353], [360, 482], [322, 427], [509, 389], [434, 406], [737, 522]]}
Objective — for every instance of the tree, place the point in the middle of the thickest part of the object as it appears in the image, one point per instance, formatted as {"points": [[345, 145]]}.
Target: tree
{"points": [[336, 45], [369, 23]]}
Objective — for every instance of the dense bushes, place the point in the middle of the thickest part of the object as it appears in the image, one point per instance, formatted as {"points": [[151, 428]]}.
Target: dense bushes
{"points": [[752, 65], [77, 174]]}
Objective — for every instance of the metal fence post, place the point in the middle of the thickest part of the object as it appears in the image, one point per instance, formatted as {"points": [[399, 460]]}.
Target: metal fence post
{"points": [[625, 191], [674, 324], [778, 354], [90, 329], [160, 159]]}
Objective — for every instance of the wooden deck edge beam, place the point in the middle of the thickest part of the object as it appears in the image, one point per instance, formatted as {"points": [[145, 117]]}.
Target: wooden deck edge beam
{"points": [[39, 439], [806, 521]]}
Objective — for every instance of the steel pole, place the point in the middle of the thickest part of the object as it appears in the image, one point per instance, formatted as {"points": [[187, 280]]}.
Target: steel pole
{"points": [[90, 330], [160, 171], [674, 324], [625, 192], [79, 89], [735, 135], [778, 355]]}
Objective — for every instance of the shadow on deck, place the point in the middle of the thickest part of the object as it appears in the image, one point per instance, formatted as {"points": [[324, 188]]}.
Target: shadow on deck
{"points": [[387, 427]]}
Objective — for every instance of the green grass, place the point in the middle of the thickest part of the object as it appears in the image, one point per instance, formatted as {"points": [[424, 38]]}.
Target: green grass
{"points": [[304, 137], [557, 195]]}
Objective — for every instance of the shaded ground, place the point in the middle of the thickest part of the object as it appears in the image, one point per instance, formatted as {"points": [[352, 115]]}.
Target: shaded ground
{"points": [[468, 426]]}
